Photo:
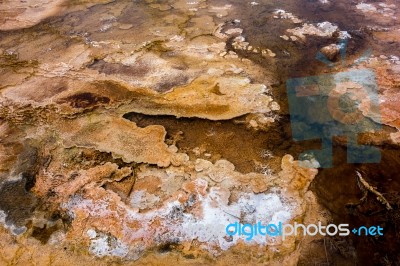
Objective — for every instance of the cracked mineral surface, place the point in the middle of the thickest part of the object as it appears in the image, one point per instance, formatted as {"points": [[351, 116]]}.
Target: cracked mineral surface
{"points": [[134, 132]]}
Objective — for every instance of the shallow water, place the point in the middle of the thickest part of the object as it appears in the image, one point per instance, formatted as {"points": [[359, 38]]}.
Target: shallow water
{"points": [[246, 148]]}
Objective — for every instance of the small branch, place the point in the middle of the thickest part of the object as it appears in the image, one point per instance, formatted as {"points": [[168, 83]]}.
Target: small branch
{"points": [[364, 196], [371, 189]]}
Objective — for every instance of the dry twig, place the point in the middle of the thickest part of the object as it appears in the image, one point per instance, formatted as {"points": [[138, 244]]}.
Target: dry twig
{"points": [[371, 189]]}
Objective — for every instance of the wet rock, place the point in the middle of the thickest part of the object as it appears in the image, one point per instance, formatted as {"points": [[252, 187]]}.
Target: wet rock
{"points": [[199, 186], [119, 190], [296, 176], [282, 14], [179, 159], [323, 29], [123, 187], [331, 51], [388, 78], [202, 165], [187, 209], [25, 14], [64, 186], [17, 205], [285, 37], [123, 139]]}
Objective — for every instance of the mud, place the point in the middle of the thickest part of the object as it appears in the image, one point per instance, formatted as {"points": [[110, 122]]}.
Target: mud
{"points": [[246, 148], [249, 149], [337, 187]]}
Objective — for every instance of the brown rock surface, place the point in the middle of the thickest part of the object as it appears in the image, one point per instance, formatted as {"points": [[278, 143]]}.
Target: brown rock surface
{"points": [[331, 51], [24, 14], [87, 186]]}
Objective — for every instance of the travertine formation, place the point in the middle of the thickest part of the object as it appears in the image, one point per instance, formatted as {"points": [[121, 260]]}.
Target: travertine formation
{"points": [[81, 184], [24, 14]]}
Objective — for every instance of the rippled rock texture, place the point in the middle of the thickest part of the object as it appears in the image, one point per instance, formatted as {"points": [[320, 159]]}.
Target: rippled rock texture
{"points": [[94, 184], [83, 184]]}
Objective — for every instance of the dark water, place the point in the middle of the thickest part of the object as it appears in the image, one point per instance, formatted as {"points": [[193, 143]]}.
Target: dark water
{"points": [[336, 188]]}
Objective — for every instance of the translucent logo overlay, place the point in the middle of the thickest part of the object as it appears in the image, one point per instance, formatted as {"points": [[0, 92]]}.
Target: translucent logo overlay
{"points": [[252, 231], [340, 104]]}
